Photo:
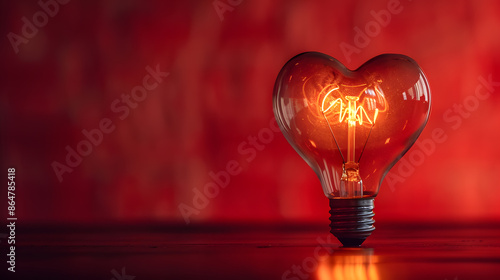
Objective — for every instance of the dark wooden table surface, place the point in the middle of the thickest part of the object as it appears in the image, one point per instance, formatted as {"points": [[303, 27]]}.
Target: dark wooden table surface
{"points": [[292, 252]]}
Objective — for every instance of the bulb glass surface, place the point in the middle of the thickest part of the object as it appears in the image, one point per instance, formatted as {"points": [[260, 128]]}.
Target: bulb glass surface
{"points": [[351, 127]]}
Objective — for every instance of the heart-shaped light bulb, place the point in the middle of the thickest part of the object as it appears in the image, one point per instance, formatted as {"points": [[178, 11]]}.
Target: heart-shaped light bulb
{"points": [[351, 127]]}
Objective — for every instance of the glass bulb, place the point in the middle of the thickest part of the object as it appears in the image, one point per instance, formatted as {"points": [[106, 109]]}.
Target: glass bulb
{"points": [[351, 127]]}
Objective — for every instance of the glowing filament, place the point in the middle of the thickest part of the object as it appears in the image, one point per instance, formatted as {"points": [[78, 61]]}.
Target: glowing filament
{"points": [[351, 110]]}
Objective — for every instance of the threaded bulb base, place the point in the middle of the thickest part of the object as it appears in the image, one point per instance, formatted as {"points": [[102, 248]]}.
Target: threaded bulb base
{"points": [[351, 220]]}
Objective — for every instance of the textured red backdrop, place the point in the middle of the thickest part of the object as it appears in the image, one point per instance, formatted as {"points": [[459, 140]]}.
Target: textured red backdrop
{"points": [[69, 74]]}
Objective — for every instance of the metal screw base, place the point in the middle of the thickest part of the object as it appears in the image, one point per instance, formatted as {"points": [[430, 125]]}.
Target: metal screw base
{"points": [[351, 220]]}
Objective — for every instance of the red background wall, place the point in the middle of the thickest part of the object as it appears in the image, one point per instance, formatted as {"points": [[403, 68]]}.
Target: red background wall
{"points": [[218, 94]]}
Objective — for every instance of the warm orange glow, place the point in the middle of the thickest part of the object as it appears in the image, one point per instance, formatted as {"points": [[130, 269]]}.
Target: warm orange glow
{"points": [[348, 106], [347, 266], [339, 120], [359, 106]]}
